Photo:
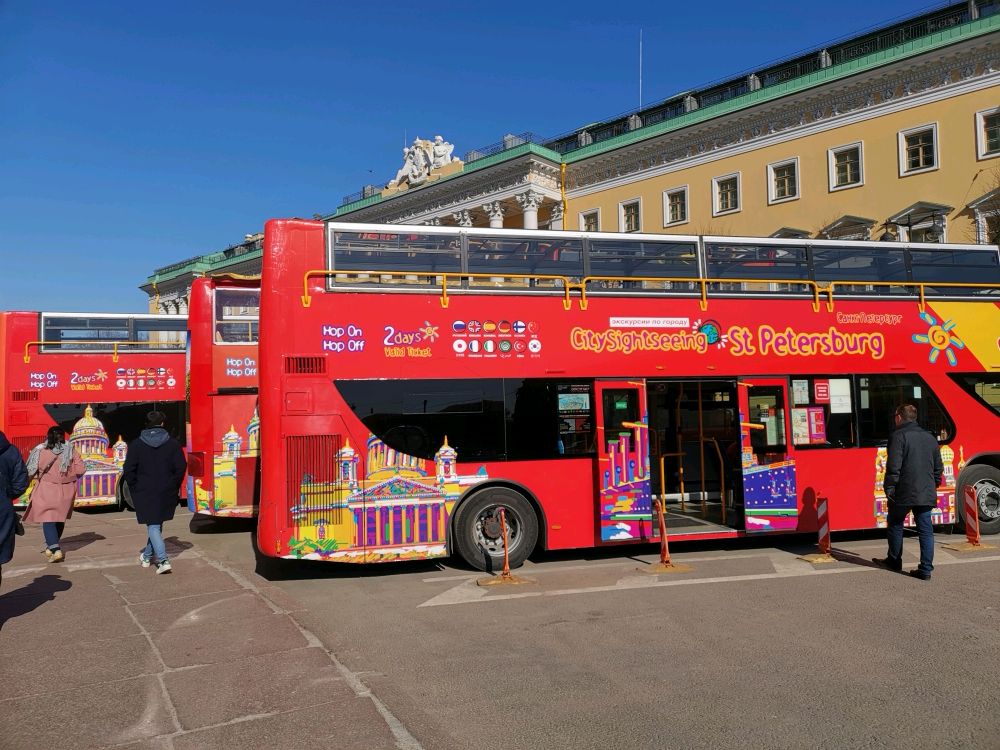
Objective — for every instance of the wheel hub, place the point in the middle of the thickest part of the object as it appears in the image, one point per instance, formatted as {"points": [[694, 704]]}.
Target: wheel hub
{"points": [[491, 526], [988, 499]]}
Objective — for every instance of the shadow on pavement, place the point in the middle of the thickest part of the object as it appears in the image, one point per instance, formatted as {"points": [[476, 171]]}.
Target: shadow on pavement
{"points": [[28, 598], [202, 524], [78, 541], [177, 545]]}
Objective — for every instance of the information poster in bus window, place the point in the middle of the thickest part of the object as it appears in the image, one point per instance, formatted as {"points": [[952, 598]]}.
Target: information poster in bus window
{"points": [[822, 389], [840, 396], [817, 425], [800, 427], [800, 392]]}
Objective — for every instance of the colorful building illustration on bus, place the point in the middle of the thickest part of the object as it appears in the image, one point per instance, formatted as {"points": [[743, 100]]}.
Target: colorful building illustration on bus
{"points": [[104, 462], [398, 511], [222, 498], [770, 495], [626, 502], [944, 512]]}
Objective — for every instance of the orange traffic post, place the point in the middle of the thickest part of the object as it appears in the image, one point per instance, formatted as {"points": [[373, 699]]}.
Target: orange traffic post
{"points": [[664, 565], [823, 526], [505, 577], [971, 515]]}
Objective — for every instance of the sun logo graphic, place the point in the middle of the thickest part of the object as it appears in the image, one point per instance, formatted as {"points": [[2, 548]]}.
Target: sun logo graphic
{"points": [[101, 375], [430, 332], [939, 339]]}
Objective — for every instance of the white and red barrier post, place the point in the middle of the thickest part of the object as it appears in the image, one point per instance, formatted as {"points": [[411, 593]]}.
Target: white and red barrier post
{"points": [[970, 513], [823, 528]]}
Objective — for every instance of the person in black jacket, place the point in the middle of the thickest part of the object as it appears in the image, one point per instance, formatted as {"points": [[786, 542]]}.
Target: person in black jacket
{"points": [[154, 469], [13, 483], [912, 475]]}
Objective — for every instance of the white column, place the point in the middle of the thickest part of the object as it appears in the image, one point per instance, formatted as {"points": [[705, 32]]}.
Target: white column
{"points": [[495, 211], [463, 218], [530, 201]]}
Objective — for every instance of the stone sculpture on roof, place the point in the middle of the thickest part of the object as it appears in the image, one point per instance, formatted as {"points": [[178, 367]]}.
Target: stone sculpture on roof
{"points": [[420, 159]]}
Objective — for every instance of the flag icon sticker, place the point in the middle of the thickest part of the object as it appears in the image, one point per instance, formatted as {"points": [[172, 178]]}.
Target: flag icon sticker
{"points": [[489, 327], [474, 346], [519, 326], [534, 346], [489, 346], [474, 326], [458, 326], [505, 345], [503, 326]]}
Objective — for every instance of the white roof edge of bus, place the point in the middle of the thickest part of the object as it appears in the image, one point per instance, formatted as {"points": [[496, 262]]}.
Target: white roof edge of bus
{"points": [[546, 233], [151, 316], [541, 233], [840, 243]]}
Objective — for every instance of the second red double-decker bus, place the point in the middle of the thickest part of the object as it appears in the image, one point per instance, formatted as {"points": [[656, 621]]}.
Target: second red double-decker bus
{"points": [[417, 380], [223, 452], [95, 375]]}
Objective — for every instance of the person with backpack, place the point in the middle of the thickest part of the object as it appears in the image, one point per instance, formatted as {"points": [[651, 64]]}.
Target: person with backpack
{"points": [[154, 469], [55, 466], [13, 483]]}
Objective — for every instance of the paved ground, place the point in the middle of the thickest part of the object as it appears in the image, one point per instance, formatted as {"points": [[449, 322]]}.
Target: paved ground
{"points": [[97, 652], [751, 648]]}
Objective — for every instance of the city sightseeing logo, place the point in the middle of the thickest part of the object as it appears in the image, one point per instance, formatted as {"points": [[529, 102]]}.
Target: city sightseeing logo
{"points": [[939, 339]]}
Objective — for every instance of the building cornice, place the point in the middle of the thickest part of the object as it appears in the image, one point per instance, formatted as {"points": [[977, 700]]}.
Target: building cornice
{"points": [[966, 69]]}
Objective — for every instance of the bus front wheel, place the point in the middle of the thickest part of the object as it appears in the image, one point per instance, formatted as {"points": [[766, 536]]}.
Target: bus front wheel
{"points": [[478, 531], [985, 481]]}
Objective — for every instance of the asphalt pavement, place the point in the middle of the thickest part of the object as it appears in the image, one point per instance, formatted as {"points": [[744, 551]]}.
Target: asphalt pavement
{"points": [[751, 647]]}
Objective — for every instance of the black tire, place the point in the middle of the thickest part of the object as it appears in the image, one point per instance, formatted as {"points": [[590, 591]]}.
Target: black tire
{"points": [[477, 535], [123, 496], [986, 482]]}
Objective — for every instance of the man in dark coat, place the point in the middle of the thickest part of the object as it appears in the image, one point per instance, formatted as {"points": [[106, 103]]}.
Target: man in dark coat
{"points": [[154, 469], [13, 483], [912, 475]]}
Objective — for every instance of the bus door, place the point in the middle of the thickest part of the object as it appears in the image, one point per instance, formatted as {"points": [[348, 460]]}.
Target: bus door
{"points": [[770, 500], [623, 487]]}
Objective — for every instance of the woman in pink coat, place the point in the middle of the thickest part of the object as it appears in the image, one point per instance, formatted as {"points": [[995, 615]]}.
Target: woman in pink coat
{"points": [[55, 466]]}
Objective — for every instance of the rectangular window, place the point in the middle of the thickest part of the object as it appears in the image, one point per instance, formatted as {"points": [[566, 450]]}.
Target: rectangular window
{"points": [[784, 180], [918, 150], [878, 397], [991, 131], [988, 133], [845, 165], [590, 222], [236, 314], [727, 194], [630, 216], [675, 206], [823, 409]]}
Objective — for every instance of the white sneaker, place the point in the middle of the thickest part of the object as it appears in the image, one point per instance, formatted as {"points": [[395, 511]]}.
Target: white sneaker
{"points": [[144, 561], [163, 567]]}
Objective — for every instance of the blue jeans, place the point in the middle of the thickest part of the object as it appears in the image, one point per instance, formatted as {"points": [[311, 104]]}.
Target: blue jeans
{"points": [[925, 533], [155, 549], [52, 531]]}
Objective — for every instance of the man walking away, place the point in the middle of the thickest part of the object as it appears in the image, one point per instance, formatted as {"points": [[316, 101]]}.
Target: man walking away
{"points": [[913, 473], [154, 469], [13, 483]]}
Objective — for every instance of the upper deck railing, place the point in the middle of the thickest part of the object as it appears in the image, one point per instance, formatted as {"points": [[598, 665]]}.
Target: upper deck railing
{"points": [[390, 257]]}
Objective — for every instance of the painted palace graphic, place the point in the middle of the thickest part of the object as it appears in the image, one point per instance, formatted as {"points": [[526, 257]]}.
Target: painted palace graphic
{"points": [[227, 496], [399, 511]]}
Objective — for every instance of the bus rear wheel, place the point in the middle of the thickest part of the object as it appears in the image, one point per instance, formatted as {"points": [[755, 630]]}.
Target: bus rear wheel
{"points": [[123, 496], [985, 481], [478, 531]]}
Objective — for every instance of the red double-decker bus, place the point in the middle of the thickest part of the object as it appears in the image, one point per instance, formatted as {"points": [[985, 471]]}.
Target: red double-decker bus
{"points": [[97, 376], [416, 380], [223, 452]]}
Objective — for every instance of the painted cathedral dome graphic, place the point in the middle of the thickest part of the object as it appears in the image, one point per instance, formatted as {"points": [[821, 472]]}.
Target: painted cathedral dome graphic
{"points": [[89, 435]]}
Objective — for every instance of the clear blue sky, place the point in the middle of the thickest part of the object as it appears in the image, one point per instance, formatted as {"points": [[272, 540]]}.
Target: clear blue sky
{"points": [[134, 135]]}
